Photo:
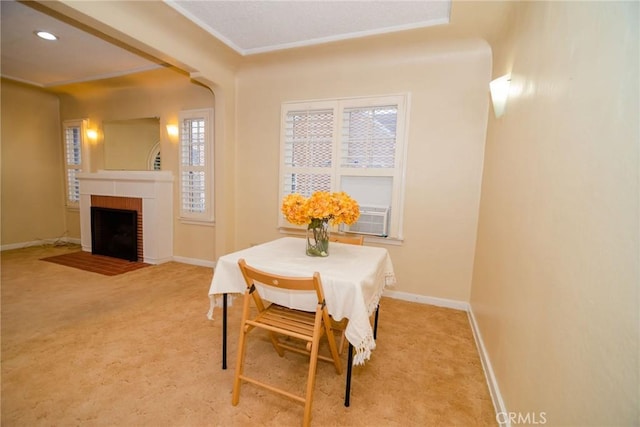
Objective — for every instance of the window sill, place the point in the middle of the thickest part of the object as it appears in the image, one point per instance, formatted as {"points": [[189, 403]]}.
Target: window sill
{"points": [[393, 241], [193, 221]]}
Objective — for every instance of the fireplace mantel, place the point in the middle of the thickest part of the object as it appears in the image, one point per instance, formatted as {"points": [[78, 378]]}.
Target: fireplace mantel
{"points": [[155, 188]]}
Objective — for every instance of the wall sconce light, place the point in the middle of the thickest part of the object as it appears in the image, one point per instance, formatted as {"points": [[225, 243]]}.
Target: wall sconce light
{"points": [[92, 134], [172, 130], [500, 93]]}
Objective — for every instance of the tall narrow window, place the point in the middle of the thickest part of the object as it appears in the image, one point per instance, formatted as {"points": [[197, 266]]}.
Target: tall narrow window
{"points": [[74, 152], [196, 164], [354, 145]]}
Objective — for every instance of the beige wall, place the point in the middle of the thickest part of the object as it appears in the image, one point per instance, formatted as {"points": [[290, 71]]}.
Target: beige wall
{"points": [[160, 93], [556, 278], [447, 83], [32, 166]]}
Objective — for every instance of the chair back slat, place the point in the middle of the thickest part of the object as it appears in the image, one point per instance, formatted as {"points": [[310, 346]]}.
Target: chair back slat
{"points": [[253, 275]]}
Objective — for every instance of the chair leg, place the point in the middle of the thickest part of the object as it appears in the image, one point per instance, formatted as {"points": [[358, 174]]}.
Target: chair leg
{"points": [[276, 344], [244, 330], [311, 380], [239, 368]]}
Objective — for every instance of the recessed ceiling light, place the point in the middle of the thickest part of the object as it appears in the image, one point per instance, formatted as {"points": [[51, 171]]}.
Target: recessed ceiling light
{"points": [[46, 35]]}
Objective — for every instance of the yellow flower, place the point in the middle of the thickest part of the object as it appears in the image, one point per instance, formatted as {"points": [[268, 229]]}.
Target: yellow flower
{"points": [[336, 207], [294, 210]]}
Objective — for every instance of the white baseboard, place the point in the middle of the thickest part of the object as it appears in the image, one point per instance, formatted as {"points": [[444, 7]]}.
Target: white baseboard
{"points": [[195, 261], [439, 302], [61, 241], [494, 390]]}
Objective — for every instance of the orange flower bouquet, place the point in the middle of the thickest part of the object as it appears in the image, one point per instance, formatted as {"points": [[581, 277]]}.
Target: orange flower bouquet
{"points": [[317, 212]]}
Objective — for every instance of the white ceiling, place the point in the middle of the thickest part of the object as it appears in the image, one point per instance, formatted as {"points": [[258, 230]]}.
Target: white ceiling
{"points": [[248, 27], [251, 27], [76, 56]]}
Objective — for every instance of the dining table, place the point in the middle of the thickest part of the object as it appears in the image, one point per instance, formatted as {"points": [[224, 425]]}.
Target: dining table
{"points": [[353, 278]]}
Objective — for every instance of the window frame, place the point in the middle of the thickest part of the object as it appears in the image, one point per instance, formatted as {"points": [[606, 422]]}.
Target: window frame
{"points": [[206, 216], [83, 126], [397, 173]]}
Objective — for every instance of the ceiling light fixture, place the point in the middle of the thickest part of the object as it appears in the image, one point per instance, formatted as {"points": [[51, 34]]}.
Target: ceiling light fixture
{"points": [[46, 35]]}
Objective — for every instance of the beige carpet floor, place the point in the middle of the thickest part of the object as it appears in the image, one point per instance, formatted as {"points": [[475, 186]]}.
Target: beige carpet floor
{"points": [[84, 349]]}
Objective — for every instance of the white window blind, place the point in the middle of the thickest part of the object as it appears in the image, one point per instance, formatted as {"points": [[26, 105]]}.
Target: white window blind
{"points": [[354, 145], [73, 140], [196, 149], [308, 151], [369, 137]]}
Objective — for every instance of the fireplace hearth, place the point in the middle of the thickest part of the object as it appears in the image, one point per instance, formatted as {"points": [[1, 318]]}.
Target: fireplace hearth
{"points": [[114, 233]]}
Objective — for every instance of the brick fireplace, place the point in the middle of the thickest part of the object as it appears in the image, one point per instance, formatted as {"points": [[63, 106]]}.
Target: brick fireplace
{"points": [[149, 193], [125, 203]]}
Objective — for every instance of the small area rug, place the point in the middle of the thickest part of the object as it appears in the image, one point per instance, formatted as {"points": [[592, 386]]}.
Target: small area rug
{"points": [[105, 265]]}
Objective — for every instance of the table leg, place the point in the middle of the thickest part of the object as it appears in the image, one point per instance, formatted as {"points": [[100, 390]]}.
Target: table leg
{"points": [[375, 323], [224, 331], [347, 391]]}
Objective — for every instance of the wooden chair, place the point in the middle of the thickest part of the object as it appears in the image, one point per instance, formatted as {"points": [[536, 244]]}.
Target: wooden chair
{"points": [[342, 325], [278, 320], [344, 238]]}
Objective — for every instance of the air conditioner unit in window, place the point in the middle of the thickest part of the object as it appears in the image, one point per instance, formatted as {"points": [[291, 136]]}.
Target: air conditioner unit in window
{"points": [[373, 220]]}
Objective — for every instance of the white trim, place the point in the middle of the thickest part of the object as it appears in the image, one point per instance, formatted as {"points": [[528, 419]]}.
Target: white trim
{"points": [[195, 261], [492, 382], [422, 299], [41, 242], [345, 36]]}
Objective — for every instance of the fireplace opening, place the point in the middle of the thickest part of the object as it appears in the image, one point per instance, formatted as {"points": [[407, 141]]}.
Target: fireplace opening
{"points": [[114, 232]]}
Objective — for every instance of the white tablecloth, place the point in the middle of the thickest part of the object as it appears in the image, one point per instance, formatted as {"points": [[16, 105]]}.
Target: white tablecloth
{"points": [[353, 278]]}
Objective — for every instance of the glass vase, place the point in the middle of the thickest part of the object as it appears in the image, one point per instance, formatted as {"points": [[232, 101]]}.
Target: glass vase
{"points": [[318, 238]]}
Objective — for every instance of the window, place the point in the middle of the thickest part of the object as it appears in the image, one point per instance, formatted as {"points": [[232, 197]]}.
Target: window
{"points": [[154, 161], [75, 154], [196, 165], [355, 145]]}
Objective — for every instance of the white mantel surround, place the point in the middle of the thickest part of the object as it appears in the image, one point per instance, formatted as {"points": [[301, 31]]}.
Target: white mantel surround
{"points": [[155, 188]]}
